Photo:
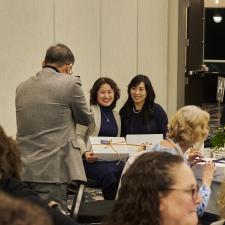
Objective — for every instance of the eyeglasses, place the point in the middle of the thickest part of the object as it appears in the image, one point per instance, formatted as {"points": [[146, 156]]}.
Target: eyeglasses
{"points": [[193, 191]]}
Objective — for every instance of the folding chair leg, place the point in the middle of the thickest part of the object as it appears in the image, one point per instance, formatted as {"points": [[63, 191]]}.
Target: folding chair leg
{"points": [[77, 201]]}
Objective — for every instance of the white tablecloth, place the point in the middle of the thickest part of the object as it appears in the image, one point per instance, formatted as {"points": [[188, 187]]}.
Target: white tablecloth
{"points": [[218, 178]]}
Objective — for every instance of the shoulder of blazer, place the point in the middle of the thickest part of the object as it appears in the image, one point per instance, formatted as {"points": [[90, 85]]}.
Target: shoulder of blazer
{"points": [[76, 79], [95, 109], [72, 80], [116, 114], [94, 127], [97, 114]]}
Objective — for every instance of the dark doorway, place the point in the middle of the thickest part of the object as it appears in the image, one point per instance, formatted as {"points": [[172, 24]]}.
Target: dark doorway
{"points": [[214, 37], [194, 54]]}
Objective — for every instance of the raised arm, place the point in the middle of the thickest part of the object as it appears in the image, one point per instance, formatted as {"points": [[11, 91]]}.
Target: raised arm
{"points": [[81, 112], [82, 133]]}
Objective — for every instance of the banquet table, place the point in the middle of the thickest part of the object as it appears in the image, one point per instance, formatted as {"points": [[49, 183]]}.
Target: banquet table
{"points": [[218, 178]]}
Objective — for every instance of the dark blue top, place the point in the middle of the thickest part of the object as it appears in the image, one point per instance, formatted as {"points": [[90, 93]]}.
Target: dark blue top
{"points": [[136, 124], [108, 126]]}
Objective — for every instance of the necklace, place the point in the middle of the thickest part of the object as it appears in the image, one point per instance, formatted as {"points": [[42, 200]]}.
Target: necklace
{"points": [[106, 117], [136, 111]]}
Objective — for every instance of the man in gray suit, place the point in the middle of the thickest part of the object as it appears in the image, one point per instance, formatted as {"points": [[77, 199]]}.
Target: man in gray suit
{"points": [[48, 105]]}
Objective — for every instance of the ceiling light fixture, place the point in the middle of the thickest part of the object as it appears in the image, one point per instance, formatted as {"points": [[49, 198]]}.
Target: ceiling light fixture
{"points": [[217, 18]]}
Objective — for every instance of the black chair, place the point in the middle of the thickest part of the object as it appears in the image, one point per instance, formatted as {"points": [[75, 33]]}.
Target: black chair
{"points": [[208, 218], [89, 212]]}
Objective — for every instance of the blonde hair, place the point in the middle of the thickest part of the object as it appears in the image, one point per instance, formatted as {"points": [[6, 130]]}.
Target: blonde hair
{"points": [[189, 125]]}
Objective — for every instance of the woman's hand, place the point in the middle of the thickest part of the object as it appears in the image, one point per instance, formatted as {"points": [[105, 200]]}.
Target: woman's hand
{"points": [[195, 156], [207, 173], [90, 157]]}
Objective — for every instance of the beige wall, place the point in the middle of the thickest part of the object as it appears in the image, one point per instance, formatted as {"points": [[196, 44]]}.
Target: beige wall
{"points": [[77, 24], [175, 95], [119, 42], [26, 31], [115, 38], [153, 45], [213, 4]]}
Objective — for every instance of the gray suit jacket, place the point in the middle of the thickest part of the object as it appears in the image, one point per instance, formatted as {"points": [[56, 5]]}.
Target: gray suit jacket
{"points": [[84, 132], [47, 107]]}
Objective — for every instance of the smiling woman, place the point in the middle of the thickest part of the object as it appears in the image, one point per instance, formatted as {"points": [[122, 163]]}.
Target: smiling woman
{"points": [[140, 114], [103, 97]]}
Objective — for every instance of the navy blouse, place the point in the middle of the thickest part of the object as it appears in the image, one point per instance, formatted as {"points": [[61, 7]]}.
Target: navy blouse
{"points": [[137, 125], [108, 126]]}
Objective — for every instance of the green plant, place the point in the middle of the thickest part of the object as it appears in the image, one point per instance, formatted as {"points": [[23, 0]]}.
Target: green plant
{"points": [[218, 139]]}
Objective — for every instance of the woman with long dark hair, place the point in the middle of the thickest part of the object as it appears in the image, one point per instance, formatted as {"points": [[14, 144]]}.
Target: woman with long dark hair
{"points": [[140, 114]]}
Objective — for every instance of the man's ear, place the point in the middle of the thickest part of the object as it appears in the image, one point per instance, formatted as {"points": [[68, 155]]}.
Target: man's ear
{"points": [[43, 64], [62, 69], [68, 69]]}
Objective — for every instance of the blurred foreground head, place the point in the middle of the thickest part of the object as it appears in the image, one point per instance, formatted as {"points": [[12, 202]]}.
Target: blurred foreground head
{"points": [[154, 192], [18, 212], [10, 162]]}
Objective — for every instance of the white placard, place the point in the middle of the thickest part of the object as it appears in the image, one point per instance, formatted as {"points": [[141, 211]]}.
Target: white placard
{"points": [[220, 89]]}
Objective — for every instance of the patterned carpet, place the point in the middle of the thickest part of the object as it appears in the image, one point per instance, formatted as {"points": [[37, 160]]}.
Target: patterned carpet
{"points": [[93, 194], [90, 194]]}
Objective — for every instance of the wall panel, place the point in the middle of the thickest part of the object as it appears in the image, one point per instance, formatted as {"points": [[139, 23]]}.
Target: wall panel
{"points": [[153, 45], [172, 81], [77, 24], [26, 32], [119, 42], [114, 38]]}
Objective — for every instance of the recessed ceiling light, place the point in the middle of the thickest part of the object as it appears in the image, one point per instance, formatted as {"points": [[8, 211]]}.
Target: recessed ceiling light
{"points": [[217, 19]]}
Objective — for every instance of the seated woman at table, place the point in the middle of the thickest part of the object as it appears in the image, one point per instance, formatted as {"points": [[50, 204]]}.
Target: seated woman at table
{"points": [[10, 183], [189, 127], [153, 192], [140, 114], [103, 97]]}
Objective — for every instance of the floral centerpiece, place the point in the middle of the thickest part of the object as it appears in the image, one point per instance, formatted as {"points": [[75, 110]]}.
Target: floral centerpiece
{"points": [[218, 142]]}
